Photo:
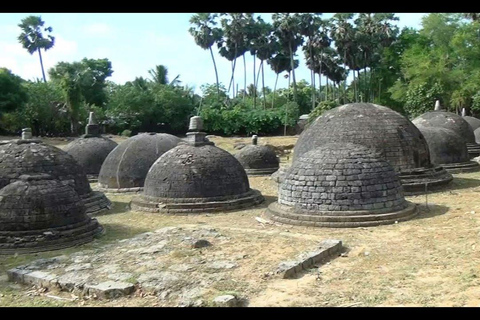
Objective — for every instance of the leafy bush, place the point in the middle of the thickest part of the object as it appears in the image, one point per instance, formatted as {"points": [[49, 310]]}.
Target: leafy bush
{"points": [[126, 133]]}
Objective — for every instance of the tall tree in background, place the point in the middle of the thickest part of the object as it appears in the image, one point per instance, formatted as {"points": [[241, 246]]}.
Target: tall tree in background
{"points": [[206, 34], [160, 76], [287, 29], [32, 37]]}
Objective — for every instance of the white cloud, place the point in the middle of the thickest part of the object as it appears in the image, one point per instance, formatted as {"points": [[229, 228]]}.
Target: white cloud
{"points": [[98, 30]]}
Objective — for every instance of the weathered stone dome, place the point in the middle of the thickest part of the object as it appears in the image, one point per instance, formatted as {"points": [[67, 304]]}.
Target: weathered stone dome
{"points": [[341, 185], [388, 132], [448, 149], [452, 121], [32, 156], [91, 149], [258, 159], [126, 166], [40, 213], [473, 122], [196, 176], [90, 153], [477, 135]]}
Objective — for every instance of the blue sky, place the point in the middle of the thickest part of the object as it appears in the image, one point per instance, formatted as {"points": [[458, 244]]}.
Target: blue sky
{"points": [[136, 43]]}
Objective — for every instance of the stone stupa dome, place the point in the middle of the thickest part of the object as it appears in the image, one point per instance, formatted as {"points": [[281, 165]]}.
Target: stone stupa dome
{"points": [[392, 135], [444, 119], [32, 156], [473, 122], [448, 149], [41, 213], [196, 176], [340, 185], [125, 168], [258, 159], [91, 149]]}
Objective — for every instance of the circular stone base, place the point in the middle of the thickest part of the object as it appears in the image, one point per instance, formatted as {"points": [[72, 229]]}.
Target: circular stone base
{"points": [[473, 150], [96, 202], [345, 219], [12, 242], [260, 172], [469, 166], [120, 190], [92, 178], [421, 180], [196, 205]]}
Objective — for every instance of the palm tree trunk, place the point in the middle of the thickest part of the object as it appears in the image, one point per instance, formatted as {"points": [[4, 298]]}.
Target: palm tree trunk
{"points": [[293, 75], [312, 76], [41, 65], [274, 89], [263, 88], [244, 77], [255, 84], [216, 71]]}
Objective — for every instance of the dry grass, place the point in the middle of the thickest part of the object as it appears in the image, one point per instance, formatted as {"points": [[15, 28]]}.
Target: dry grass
{"points": [[431, 260]]}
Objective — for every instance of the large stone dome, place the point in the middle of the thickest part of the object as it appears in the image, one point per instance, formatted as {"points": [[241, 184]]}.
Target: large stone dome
{"points": [[388, 132], [452, 121], [448, 149], [126, 166], [340, 185], [90, 153], [39, 213], [32, 156], [258, 159], [196, 176]]}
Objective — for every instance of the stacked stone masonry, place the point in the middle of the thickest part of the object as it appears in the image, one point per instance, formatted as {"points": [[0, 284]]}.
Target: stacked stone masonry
{"points": [[343, 184]]}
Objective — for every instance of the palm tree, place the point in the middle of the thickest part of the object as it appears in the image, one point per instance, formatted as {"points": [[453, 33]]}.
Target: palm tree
{"points": [[233, 43], [287, 30], [310, 27], [205, 35], [343, 34], [32, 38], [267, 47], [160, 75]]}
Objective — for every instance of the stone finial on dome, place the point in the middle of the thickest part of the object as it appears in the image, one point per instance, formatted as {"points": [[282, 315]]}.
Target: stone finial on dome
{"points": [[438, 107], [195, 135], [26, 133], [254, 139], [92, 129]]}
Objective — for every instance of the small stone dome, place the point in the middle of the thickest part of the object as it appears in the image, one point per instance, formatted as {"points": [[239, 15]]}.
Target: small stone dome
{"points": [[341, 185], [32, 156], [258, 159], [90, 153], [40, 213], [473, 122], [448, 149], [447, 120], [477, 135], [388, 132], [91, 149], [126, 166], [196, 176]]}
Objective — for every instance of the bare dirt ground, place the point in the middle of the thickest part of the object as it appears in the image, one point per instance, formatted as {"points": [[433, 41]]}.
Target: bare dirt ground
{"points": [[431, 260]]}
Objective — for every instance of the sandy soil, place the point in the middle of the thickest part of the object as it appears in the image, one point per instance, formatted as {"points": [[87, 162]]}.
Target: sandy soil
{"points": [[431, 260]]}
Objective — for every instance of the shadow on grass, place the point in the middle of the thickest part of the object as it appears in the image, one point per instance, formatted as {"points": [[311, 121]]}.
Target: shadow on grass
{"points": [[267, 202], [117, 231], [461, 183], [430, 210], [117, 207]]}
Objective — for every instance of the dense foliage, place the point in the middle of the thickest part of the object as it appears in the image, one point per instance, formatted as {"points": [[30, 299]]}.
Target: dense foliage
{"points": [[353, 57]]}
